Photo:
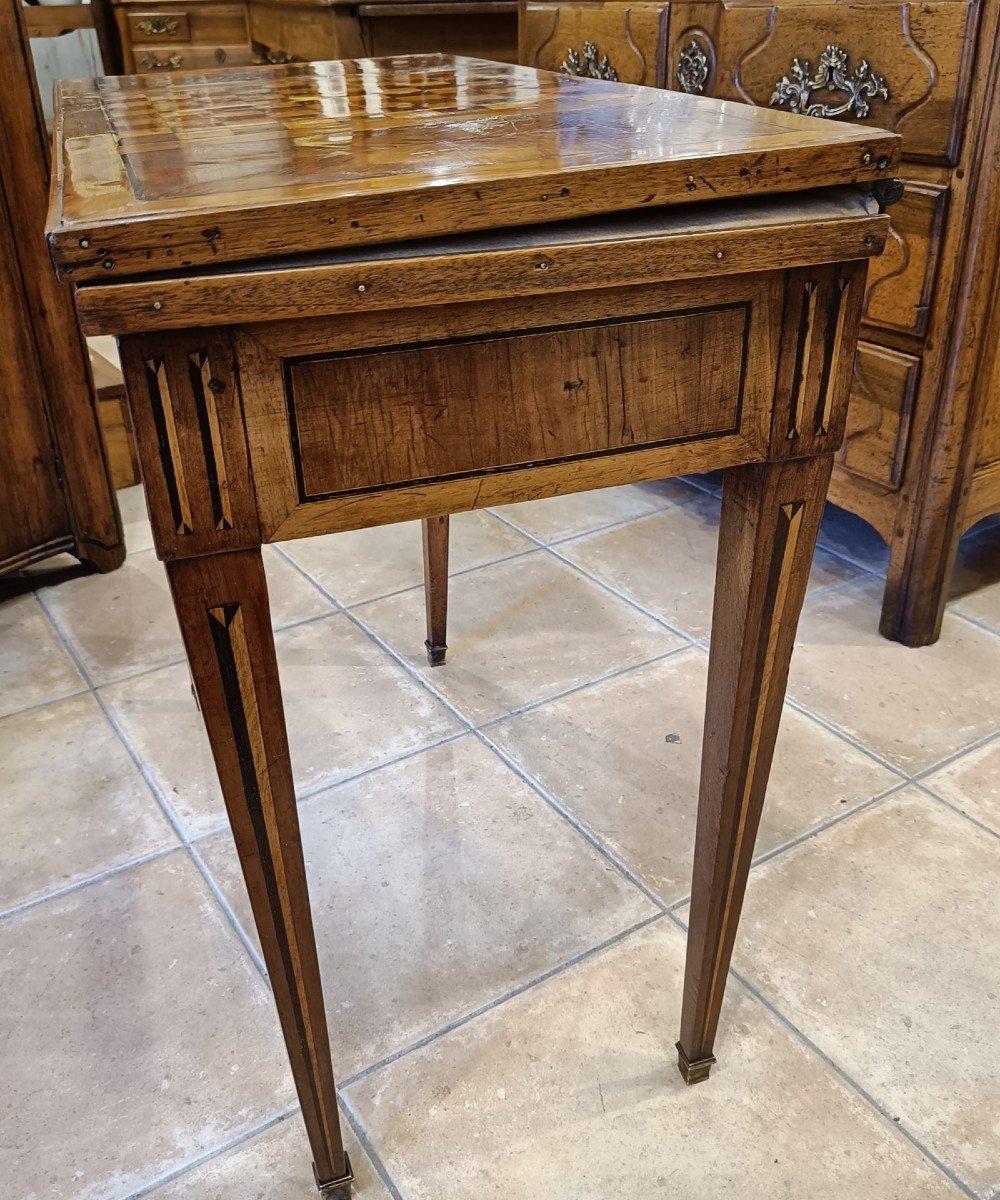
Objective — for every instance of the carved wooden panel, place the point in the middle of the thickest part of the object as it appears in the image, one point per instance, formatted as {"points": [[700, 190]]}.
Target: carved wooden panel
{"points": [[691, 60], [901, 282], [184, 399], [900, 66], [626, 39], [879, 415], [384, 419]]}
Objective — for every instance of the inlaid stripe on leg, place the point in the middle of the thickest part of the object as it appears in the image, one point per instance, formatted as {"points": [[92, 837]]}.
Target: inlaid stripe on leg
{"points": [[786, 537], [164, 420], [233, 655]]}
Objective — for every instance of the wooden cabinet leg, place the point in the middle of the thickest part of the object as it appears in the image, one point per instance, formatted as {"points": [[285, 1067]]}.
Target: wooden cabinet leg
{"points": [[770, 519], [222, 606], [921, 563], [436, 587]]}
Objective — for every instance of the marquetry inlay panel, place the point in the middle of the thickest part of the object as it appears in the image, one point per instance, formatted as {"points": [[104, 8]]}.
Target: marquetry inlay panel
{"points": [[185, 393], [820, 308]]}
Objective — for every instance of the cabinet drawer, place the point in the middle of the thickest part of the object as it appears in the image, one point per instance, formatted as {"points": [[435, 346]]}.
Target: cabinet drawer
{"points": [[603, 41], [901, 282], [878, 419], [171, 25], [901, 66], [192, 58], [371, 421], [206, 24]]}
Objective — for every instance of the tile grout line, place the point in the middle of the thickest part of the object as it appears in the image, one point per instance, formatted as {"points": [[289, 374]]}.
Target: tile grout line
{"points": [[201, 1159], [229, 915], [607, 587], [831, 823], [582, 533], [592, 839], [972, 748], [33, 708], [165, 807], [453, 708], [841, 818], [78, 884], [498, 1001], [848, 1079], [904, 780], [617, 673], [846, 737], [959, 812], [423, 681], [313, 793], [365, 1142]]}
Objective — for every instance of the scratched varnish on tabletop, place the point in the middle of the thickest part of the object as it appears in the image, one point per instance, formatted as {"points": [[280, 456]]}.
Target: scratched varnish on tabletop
{"points": [[161, 173]]}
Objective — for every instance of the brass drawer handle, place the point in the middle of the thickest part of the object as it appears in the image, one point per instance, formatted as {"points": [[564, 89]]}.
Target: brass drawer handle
{"points": [[158, 26], [585, 63], [149, 62], [797, 93]]}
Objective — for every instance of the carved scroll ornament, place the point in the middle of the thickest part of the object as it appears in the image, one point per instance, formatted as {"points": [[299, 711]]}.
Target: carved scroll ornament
{"points": [[586, 64], [796, 93]]}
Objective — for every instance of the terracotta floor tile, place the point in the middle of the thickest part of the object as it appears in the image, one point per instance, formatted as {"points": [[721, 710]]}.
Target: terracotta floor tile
{"points": [[571, 1090], [972, 783], [439, 884], [74, 803], [666, 563], [875, 939], [364, 564], [975, 584], [135, 519], [912, 706], [129, 1010], [624, 758], [348, 707], [274, 1165], [124, 622], [562, 516], [518, 632], [34, 666]]}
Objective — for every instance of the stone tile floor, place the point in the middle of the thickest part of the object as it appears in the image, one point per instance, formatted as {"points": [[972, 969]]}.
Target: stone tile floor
{"points": [[499, 853]]}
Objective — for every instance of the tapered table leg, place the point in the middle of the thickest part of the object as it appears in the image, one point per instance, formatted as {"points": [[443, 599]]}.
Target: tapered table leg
{"points": [[222, 606], [770, 519], [436, 587]]}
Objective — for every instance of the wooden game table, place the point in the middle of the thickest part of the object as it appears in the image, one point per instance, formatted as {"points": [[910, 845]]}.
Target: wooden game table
{"points": [[351, 293]]}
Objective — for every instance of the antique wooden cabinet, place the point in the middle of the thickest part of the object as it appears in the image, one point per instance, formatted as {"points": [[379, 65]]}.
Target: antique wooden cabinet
{"points": [[55, 494], [921, 458], [186, 35]]}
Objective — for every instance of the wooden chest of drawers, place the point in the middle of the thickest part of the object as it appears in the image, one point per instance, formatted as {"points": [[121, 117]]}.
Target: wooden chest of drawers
{"points": [[188, 36], [921, 458]]}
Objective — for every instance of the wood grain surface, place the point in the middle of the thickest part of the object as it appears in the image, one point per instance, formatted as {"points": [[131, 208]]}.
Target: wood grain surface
{"points": [[156, 173]]}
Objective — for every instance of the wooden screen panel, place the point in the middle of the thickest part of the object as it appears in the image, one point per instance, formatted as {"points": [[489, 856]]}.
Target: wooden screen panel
{"points": [[380, 419]]}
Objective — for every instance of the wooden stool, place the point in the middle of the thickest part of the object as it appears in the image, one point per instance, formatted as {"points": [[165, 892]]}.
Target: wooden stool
{"points": [[353, 293]]}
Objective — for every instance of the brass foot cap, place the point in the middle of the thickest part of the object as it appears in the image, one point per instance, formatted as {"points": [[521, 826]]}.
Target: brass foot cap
{"points": [[435, 654], [694, 1072], [336, 1189]]}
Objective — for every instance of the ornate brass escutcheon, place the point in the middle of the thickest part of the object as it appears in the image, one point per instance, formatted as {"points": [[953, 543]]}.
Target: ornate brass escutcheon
{"points": [[796, 93], [692, 69], [586, 64]]}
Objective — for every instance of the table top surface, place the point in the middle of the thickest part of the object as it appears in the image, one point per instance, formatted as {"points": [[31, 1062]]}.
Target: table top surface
{"points": [[163, 172]]}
